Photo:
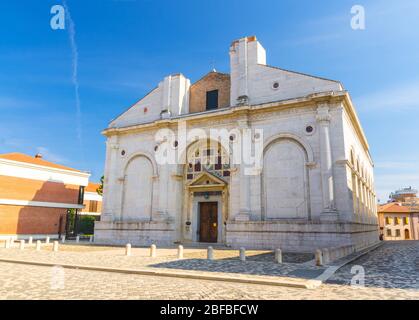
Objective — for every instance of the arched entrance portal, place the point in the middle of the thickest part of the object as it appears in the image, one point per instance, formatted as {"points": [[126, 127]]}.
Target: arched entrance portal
{"points": [[205, 204]]}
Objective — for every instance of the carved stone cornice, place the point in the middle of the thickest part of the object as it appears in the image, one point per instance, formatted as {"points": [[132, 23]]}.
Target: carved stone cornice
{"points": [[323, 116]]}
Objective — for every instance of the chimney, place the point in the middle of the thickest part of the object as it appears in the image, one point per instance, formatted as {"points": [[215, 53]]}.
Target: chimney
{"points": [[38, 156], [245, 54], [175, 95]]}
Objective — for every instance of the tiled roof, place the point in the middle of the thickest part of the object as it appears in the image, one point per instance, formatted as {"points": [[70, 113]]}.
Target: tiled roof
{"points": [[20, 157], [92, 187], [393, 207]]}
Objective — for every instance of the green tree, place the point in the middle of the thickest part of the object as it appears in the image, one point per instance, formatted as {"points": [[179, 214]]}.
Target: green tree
{"points": [[100, 189]]}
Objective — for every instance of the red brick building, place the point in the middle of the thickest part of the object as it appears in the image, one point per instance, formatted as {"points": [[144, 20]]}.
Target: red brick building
{"points": [[35, 196]]}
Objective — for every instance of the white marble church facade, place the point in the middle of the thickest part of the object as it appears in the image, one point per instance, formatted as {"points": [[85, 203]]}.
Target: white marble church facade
{"points": [[314, 188]]}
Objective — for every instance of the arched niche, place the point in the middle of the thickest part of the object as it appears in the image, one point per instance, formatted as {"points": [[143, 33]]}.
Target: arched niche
{"points": [[285, 179], [137, 188]]}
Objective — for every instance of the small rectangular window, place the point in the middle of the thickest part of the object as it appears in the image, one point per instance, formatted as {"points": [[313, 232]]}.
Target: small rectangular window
{"points": [[387, 220], [405, 220], [388, 232], [93, 206], [397, 232], [212, 100]]}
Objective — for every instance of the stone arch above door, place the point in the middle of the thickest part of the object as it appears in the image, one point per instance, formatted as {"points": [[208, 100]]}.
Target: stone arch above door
{"points": [[206, 156]]}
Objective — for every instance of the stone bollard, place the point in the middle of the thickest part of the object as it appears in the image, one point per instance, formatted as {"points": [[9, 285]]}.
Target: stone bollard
{"points": [[62, 239], [90, 238], [77, 239], [22, 244], [128, 249], [38, 245], [319, 258], [153, 250], [30, 240], [326, 256], [242, 254], [55, 246], [6, 244], [210, 253], [278, 256], [180, 252], [47, 240]]}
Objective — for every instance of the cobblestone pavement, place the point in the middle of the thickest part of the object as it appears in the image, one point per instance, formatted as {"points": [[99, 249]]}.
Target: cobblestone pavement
{"points": [[259, 263], [392, 272], [34, 282], [393, 265]]}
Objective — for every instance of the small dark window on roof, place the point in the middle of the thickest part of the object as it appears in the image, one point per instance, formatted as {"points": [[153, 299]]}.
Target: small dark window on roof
{"points": [[212, 99]]}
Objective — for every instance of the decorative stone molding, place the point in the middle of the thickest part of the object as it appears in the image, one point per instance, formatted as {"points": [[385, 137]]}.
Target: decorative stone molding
{"points": [[177, 177], [343, 162], [311, 164], [242, 217], [243, 123], [114, 146], [305, 144], [243, 100], [323, 116], [142, 154]]}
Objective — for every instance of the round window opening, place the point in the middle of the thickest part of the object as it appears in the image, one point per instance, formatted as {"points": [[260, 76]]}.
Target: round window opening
{"points": [[123, 152], [309, 129], [275, 85], [156, 148], [232, 137], [175, 144]]}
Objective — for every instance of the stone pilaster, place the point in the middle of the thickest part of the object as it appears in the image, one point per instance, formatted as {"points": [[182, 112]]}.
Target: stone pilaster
{"points": [[326, 163], [110, 208], [162, 212], [244, 209]]}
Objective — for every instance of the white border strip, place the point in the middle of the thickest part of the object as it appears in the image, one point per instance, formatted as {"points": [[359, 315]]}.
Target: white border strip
{"points": [[13, 202], [92, 196], [88, 213], [37, 236], [43, 173]]}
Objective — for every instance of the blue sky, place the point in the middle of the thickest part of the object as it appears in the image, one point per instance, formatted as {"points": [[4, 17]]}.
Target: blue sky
{"points": [[125, 47]]}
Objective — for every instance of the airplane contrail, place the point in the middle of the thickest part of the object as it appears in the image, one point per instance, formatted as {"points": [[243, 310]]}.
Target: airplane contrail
{"points": [[74, 77]]}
